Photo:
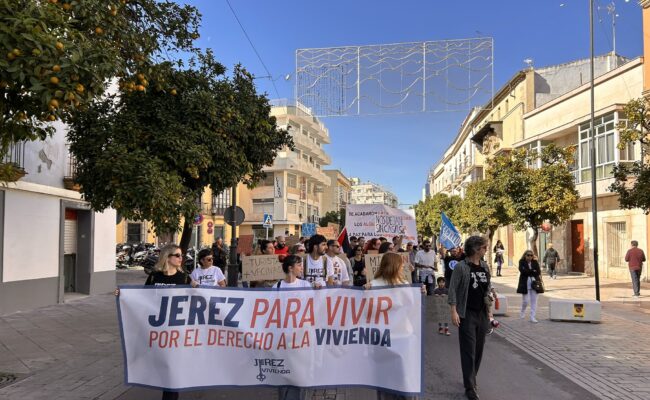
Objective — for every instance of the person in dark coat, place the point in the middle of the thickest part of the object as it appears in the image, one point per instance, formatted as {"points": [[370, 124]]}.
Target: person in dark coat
{"points": [[219, 254], [529, 271]]}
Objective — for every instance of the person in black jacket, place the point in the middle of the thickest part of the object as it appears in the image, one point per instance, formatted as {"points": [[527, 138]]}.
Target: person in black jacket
{"points": [[529, 271]]}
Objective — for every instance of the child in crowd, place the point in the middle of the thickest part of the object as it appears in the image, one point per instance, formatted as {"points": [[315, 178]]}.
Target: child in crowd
{"points": [[442, 291]]}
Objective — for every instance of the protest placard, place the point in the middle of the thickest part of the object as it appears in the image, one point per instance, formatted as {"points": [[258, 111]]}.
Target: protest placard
{"points": [[374, 260], [245, 245], [261, 268], [375, 220], [304, 338], [440, 308]]}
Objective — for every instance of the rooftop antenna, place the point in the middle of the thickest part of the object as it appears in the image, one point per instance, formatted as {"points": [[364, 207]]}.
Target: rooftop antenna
{"points": [[529, 63]]}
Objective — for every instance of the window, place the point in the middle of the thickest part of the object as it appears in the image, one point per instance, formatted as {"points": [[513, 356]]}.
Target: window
{"points": [[221, 202], [606, 137], [616, 244], [268, 181], [292, 206], [134, 232], [292, 181], [262, 206]]}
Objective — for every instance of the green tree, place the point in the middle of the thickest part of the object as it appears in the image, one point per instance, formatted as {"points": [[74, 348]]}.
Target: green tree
{"points": [[483, 210], [335, 217], [632, 180], [535, 195], [61, 54], [427, 213], [150, 155]]}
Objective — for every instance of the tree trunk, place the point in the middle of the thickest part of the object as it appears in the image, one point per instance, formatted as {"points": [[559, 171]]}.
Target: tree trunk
{"points": [[491, 232], [532, 243], [186, 236]]}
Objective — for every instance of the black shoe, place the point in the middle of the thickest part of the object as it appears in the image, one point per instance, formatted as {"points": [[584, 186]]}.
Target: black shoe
{"points": [[471, 394]]}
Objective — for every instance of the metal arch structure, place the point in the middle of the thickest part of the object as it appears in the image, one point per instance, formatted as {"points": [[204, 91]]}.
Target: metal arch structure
{"points": [[445, 75]]}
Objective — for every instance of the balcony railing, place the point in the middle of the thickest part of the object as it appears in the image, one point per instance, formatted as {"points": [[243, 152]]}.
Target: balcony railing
{"points": [[15, 155]]}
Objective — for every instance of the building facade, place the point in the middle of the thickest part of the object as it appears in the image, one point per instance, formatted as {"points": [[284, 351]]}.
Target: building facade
{"points": [[51, 242], [337, 195], [293, 189], [371, 193]]}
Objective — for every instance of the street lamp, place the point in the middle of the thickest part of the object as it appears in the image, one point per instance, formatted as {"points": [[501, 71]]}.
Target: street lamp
{"points": [[592, 155]]}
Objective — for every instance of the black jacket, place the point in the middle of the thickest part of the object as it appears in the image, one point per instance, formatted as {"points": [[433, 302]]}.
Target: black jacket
{"points": [[525, 273]]}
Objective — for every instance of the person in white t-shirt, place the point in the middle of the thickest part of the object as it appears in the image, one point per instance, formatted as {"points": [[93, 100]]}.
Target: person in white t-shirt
{"points": [[315, 271], [292, 267], [208, 274], [337, 270], [425, 262]]}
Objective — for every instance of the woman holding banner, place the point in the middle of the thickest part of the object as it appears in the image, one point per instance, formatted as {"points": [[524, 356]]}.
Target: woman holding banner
{"points": [[390, 273]]}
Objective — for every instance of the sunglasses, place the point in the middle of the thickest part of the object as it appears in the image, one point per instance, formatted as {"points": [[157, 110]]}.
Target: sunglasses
{"points": [[529, 255], [208, 258], [179, 255]]}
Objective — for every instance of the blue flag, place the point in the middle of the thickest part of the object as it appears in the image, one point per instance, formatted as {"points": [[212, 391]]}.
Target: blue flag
{"points": [[449, 236]]}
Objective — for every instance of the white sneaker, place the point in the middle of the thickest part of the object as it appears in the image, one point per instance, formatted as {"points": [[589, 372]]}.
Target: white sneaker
{"points": [[521, 316], [636, 296], [533, 320]]}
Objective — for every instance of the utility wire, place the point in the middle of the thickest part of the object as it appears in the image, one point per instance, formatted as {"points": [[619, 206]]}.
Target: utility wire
{"points": [[254, 49]]}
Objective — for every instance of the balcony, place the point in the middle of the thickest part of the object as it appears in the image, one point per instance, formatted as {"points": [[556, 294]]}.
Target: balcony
{"points": [[12, 167], [292, 163], [305, 144], [287, 107], [71, 174]]}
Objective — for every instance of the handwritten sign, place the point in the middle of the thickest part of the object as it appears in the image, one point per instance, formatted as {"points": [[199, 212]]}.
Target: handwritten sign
{"points": [[261, 268], [245, 245], [330, 232], [374, 260]]}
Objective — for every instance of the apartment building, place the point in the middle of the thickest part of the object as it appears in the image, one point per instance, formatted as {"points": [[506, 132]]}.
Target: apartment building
{"points": [[338, 194], [371, 193], [293, 189]]}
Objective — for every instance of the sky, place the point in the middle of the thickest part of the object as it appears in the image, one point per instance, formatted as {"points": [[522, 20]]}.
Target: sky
{"points": [[397, 151]]}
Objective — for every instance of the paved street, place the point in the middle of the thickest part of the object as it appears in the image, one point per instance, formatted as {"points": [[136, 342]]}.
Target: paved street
{"points": [[72, 351]]}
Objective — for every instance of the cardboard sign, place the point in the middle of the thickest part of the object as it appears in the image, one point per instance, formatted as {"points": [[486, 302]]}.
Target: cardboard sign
{"points": [[330, 232], [245, 245], [261, 268], [441, 310], [374, 260]]}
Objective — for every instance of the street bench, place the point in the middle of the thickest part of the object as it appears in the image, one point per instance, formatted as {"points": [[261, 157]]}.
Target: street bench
{"points": [[574, 310]]}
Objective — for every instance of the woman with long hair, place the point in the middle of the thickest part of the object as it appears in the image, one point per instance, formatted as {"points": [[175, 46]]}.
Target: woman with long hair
{"points": [[498, 256], [358, 264], [386, 247], [529, 271]]}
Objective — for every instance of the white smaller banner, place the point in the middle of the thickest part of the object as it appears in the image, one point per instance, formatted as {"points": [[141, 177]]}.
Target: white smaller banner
{"points": [[173, 337], [375, 220]]}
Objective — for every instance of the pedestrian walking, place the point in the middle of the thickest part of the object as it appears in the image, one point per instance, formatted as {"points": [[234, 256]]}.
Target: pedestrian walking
{"points": [[550, 260], [529, 271], [208, 274], [635, 257], [498, 256], [441, 290], [468, 294], [425, 262]]}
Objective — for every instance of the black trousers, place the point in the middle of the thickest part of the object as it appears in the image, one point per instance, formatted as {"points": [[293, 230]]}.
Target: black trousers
{"points": [[170, 395], [471, 336]]}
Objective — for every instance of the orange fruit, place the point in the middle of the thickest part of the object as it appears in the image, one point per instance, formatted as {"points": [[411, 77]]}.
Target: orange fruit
{"points": [[79, 88], [67, 6], [59, 46], [54, 80], [99, 30], [56, 68], [54, 104], [140, 88], [173, 92], [51, 117]]}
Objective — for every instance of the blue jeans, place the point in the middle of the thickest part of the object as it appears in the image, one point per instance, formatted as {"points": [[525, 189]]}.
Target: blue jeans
{"points": [[636, 281]]}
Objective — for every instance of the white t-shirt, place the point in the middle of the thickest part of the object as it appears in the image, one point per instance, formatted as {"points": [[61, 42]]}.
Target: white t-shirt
{"points": [[337, 269], [298, 283], [427, 258], [314, 271], [382, 282], [210, 276]]}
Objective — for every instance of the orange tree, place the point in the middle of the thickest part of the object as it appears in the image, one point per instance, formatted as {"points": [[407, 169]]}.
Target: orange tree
{"points": [[57, 55], [150, 154]]}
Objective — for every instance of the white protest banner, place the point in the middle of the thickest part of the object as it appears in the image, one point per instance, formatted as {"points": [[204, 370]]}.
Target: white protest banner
{"points": [[375, 220], [373, 261], [261, 268], [305, 337]]}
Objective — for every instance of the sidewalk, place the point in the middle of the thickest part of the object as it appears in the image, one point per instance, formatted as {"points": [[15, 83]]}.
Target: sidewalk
{"points": [[610, 359]]}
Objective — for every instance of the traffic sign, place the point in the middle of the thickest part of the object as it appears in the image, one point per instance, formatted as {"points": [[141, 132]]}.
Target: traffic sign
{"points": [[234, 215], [268, 221], [198, 220]]}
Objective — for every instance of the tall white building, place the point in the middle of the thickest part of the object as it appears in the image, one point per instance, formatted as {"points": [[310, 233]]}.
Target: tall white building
{"points": [[51, 242], [292, 191], [371, 193]]}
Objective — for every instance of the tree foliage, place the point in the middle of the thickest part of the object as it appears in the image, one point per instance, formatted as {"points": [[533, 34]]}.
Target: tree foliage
{"points": [[483, 209], [61, 54], [427, 213], [335, 217], [150, 154], [535, 195], [632, 180]]}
